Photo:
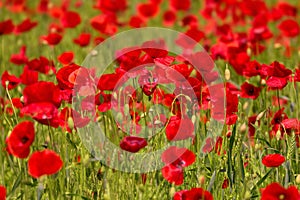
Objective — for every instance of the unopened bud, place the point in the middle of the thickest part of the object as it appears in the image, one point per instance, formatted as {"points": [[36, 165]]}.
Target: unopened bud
{"points": [[245, 106], [201, 179], [227, 74], [249, 51], [70, 123], [243, 128], [260, 115], [278, 135], [298, 179], [172, 191], [277, 45], [263, 81]]}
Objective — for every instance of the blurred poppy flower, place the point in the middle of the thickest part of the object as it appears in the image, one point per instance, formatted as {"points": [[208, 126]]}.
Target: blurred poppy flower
{"points": [[70, 19], [289, 28], [173, 174], [20, 139], [193, 194], [6, 27], [25, 26], [111, 6], [180, 5], [276, 191], [169, 18], [147, 10], [83, 39], [273, 160], [12, 80], [45, 162], [2, 192], [132, 143], [66, 58], [249, 91], [51, 38], [108, 81], [20, 58], [136, 21]]}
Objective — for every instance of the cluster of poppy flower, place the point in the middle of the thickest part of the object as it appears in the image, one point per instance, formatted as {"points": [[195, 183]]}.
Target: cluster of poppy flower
{"points": [[49, 103]]}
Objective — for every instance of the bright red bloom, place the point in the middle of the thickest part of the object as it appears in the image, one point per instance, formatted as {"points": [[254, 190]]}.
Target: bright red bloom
{"points": [[111, 5], [249, 91], [41, 64], [45, 162], [83, 39], [108, 81], [132, 143], [180, 5], [193, 194], [42, 92], [6, 27], [179, 129], [2, 192], [289, 28], [29, 76], [20, 58], [175, 160], [147, 9], [253, 68], [12, 80], [173, 174], [70, 19], [169, 18], [52, 38], [66, 76], [273, 160], [66, 57], [136, 21], [20, 139], [276, 191], [25, 26]]}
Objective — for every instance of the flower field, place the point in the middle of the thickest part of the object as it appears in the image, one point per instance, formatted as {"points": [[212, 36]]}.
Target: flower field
{"points": [[151, 99]]}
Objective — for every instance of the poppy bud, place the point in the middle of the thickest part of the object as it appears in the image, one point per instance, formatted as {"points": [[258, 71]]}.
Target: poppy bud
{"points": [[278, 135], [277, 45], [227, 74], [263, 82], [245, 106], [201, 179], [243, 127], [249, 51], [260, 115], [70, 123], [298, 179], [172, 191]]}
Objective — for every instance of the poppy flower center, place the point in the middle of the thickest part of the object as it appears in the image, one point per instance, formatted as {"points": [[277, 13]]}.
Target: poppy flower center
{"points": [[72, 76], [281, 197], [251, 91], [24, 139]]}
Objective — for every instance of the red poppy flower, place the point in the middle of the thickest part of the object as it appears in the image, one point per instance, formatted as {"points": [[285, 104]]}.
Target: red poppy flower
{"points": [[66, 57], [169, 18], [42, 92], [20, 58], [29, 76], [273, 160], [175, 160], [70, 19], [45, 162], [173, 174], [2, 192], [43, 6], [52, 38], [180, 5], [289, 28], [252, 69], [108, 81], [179, 129], [111, 5], [249, 91], [83, 39], [276, 191], [20, 139], [6, 27], [147, 9], [279, 116], [193, 194], [225, 183], [132, 143], [136, 21], [66, 76], [41, 64], [25, 26], [12, 80]]}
